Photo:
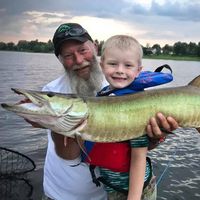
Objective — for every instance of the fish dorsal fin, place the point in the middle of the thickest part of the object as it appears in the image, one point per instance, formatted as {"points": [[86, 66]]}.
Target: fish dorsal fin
{"points": [[198, 129], [195, 82]]}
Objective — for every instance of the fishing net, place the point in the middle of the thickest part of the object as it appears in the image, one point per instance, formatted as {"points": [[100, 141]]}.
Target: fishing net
{"points": [[14, 163], [14, 188], [14, 167]]}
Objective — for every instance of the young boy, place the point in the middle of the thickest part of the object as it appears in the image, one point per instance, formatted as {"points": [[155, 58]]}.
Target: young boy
{"points": [[121, 63]]}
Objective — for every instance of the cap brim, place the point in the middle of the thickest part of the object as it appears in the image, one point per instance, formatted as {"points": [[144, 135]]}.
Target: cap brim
{"points": [[80, 39]]}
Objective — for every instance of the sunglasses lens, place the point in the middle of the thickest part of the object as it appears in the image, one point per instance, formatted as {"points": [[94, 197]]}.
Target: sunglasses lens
{"points": [[76, 31]]}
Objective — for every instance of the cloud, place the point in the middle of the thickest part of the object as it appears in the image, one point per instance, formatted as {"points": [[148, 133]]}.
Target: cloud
{"points": [[178, 10], [147, 19]]}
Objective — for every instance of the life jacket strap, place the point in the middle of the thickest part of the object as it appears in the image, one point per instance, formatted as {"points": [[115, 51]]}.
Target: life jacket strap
{"points": [[159, 69], [99, 180]]}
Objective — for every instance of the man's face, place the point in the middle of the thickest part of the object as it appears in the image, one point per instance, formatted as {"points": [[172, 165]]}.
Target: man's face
{"points": [[81, 64], [76, 56]]}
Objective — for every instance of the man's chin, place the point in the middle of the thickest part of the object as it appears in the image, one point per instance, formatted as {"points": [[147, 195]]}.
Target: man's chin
{"points": [[84, 73], [87, 80]]}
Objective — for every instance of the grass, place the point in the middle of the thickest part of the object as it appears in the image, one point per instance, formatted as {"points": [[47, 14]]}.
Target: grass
{"points": [[172, 57]]}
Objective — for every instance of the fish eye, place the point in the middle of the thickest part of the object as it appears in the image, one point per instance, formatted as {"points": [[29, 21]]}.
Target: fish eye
{"points": [[50, 94]]}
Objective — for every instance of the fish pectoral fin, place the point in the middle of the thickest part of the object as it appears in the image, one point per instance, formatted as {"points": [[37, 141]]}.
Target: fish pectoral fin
{"points": [[67, 110], [198, 129], [69, 123]]}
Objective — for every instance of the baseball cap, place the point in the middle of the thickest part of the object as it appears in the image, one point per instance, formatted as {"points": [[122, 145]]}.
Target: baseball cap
{"points": [[69, 31]]}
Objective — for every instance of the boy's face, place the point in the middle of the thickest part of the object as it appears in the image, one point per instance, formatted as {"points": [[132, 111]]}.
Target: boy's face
{"points": [[120, 67]]}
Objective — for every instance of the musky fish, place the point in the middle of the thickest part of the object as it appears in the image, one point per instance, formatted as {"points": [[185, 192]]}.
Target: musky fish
{"points": [[109, 119]]}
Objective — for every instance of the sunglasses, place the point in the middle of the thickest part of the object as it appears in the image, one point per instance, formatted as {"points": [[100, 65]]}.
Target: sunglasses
{"points": [[66, 30]]}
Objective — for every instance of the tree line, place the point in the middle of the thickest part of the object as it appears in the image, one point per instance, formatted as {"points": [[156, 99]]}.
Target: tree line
{"points": [[178, 49]]}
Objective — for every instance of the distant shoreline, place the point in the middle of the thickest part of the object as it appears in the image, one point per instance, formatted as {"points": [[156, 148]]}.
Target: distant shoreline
{"points": [[161, 57], [172, 57]]}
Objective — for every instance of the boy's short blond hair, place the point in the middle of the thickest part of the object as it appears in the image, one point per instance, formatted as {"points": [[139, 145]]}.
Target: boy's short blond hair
{"points": [[123, 42]]}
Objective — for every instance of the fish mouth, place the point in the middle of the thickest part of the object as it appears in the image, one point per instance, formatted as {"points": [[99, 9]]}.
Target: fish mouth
{"points": [[17, 91], [24, 93], [30, 97]]}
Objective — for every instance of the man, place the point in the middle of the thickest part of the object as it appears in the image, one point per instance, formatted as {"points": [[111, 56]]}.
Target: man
{"points": [[65, 176]]}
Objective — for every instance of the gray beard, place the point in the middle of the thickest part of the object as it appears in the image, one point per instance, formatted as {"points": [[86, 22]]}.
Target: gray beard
{"points": [[88, 87]]}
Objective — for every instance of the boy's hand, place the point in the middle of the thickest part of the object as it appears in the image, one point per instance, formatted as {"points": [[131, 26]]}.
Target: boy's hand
{"points": [[158, 128], [156, 125]]}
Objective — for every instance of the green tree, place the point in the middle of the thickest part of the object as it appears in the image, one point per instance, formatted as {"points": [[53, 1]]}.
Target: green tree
{"points": [[167, 49], [49, 46], [3, 46], [198, 49], [180, 48], [157, 49], [100, 47], [10, 46], [192, 49], [22, 45]]}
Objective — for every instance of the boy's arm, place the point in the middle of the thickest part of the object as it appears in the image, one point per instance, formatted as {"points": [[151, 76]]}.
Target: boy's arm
{"points": [[137, 173]]}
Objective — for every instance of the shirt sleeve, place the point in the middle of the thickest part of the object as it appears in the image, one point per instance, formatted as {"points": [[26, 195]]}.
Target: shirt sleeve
{"points": [[141, 141]]}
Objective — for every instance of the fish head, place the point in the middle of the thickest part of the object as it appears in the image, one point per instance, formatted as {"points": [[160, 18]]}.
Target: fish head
{"points": [[47, 108], [39, 102]]}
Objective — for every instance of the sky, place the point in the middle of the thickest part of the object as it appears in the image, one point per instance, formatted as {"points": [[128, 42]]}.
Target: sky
{"points": [[149, 21]]}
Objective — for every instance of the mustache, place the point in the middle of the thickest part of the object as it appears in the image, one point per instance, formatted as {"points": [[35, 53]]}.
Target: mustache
{"points": [[92, 85], [82, 65]]}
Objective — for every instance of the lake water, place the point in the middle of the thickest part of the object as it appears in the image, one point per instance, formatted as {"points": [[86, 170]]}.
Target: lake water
{"points": [[178, 157]]}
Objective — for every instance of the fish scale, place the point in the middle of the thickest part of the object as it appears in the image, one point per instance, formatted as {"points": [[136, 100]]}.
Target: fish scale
{"points": [[181, 103]]}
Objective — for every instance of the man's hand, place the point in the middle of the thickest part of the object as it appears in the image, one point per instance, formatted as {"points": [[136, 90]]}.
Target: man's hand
{"points": [[34, 124]]}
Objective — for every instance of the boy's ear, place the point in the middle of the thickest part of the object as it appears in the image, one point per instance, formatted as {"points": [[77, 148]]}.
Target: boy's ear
{"points": [[139, 70]]}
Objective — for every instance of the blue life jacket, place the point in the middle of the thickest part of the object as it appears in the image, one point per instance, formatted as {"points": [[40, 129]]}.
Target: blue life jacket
{"points": [[145, 79]]}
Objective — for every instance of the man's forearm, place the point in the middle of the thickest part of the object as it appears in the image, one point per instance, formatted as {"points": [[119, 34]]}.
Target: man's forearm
{"points": [[68, 151]]}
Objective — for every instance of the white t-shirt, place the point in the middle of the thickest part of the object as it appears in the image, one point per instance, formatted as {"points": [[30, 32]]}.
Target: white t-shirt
{"points": [[62, 180]]}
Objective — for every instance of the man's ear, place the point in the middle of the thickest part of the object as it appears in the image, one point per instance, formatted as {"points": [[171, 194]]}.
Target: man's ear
{"points": [[60, 59], [96, 47], [101, 63]]}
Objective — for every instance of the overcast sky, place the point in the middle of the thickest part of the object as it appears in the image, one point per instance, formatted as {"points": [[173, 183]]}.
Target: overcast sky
{"points": [[150, 21]]}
